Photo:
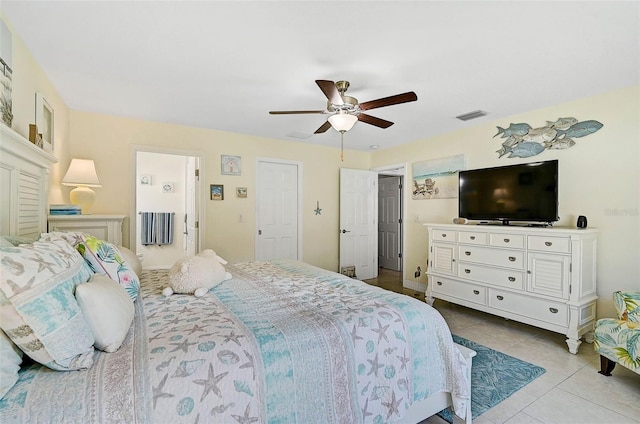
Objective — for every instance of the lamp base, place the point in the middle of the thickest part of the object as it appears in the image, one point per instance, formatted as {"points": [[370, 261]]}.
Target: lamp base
{"points": [[84, 197]]}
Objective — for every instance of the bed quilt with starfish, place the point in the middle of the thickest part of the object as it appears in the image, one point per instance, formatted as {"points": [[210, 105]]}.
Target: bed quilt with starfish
{"points": [[282, 342]]}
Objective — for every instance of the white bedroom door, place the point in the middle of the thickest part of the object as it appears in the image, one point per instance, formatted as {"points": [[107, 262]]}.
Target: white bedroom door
{"points": [[277, 210], [358, 221]]}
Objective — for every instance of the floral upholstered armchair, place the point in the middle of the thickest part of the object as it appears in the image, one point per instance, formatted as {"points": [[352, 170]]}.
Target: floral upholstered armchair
{"points": [[618, 340]]}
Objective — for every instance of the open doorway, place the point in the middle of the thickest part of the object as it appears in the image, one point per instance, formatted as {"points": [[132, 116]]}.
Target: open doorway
{"points": [[391, 221], [166, 182]]}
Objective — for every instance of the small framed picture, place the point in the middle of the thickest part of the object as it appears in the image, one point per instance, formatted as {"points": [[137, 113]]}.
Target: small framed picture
{"points": [[44, 121], [241, 192], [230, 165], [168, 187], [145, 180], [217, 191]]}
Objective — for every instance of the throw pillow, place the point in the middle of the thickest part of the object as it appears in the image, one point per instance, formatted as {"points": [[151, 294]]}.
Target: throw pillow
{"points": [[38, 310], [108, 310], [105, 258], [10, 360], [131, 259]]}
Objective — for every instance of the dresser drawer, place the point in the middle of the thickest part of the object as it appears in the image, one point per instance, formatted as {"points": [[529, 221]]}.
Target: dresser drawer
{"points": [[512, 279], [444, 235], [531, 307], [515, 241], [549, 244], [470, 292], [490, 256], [470, 237]]}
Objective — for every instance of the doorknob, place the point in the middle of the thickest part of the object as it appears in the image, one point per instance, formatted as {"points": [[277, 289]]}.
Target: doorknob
{"points": [[259, 232], [345, 231]]}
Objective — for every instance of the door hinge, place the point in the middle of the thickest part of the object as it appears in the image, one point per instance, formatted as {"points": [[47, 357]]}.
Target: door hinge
{"points": [[569, 288], [400, 221], [400, 186], [196, 224], [197, 172], [400, 255], [571, 267]]}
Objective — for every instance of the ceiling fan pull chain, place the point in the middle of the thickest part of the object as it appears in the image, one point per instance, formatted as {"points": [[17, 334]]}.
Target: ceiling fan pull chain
{"points": [[341, 146]]}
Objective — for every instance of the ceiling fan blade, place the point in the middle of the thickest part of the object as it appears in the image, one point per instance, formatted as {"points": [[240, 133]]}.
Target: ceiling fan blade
{"points": [[329, 89], [323, 128], [378, 122], [409, 96], [294, 112]]}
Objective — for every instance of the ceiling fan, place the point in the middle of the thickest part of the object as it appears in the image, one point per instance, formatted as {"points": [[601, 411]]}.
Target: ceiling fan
{"points": [[345, 110]]}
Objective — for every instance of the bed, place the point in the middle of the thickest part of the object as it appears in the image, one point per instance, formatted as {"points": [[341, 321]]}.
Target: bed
{"points": [[281, 342]]}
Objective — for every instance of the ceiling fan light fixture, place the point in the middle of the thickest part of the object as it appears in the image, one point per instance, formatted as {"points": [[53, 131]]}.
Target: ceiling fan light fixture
{"points": [[342, 122]]}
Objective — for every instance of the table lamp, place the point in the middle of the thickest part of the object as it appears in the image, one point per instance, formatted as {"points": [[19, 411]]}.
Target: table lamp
{"points": [[82, 174]]}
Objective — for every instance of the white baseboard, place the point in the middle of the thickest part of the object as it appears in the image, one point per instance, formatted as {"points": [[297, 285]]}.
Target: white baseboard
{"points": [[414, 285]]}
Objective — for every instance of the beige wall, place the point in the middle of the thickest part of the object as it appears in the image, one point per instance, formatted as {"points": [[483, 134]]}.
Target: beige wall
{"points": [[599, 177], [108, 140], [29, 79]]}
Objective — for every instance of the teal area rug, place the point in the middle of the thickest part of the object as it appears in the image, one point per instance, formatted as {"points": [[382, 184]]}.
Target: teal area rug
{"points": [[494, 377]]}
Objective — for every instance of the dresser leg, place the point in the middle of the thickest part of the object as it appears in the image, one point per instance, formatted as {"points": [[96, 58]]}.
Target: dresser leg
{"points": [[573, 345]]}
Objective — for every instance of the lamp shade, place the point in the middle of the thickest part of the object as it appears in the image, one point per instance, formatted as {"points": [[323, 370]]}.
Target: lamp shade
{"points": [[342, 122], [81, 172]]}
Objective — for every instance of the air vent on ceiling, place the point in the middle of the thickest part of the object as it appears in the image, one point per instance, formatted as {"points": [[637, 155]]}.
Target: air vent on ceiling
{"points": [[471, 115]]}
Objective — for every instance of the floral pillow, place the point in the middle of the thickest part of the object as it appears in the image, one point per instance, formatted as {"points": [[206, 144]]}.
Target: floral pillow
{"points": [[38, 310], [105, 258]]}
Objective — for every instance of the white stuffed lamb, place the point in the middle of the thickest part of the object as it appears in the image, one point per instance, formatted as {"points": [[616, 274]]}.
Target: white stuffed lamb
{"points": [[197, 274]]}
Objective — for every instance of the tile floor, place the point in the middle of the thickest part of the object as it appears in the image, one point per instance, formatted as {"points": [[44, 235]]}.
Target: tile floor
{"points": [[571, 391]]}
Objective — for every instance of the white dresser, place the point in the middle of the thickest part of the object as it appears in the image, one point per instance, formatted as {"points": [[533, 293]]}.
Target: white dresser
{"points": [[544, 277], [102, 226]]}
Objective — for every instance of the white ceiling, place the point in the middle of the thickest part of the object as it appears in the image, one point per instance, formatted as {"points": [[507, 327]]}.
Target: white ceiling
{"points": [[224, 65]]}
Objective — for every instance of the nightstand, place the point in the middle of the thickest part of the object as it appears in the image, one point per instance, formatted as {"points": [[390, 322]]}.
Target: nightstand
{"points": [[101, 226]]}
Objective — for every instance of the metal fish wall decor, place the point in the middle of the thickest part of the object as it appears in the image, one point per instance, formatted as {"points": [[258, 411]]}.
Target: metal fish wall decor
{"points": [[523, 141]]}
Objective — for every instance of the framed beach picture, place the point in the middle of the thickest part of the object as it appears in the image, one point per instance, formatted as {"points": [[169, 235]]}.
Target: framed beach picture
{"points": [[230, 165], [217, 191], [437, 178], [45, 121]]}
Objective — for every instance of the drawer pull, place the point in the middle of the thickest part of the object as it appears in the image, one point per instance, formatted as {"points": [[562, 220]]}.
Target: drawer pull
{"points": [[512, 258], [500, 297], [439, 283], [553, 310], [476, 292], [467, 253], [467, 271], [444, 235], [507, 240], [512, 279], [472, 237], [547, 243]]}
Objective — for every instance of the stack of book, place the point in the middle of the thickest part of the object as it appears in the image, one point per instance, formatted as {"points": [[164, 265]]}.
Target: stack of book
{"points": [[65, 210]]}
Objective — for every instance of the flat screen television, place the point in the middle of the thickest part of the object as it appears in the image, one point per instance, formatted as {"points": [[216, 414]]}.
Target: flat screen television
{"points": [[525, 192]]}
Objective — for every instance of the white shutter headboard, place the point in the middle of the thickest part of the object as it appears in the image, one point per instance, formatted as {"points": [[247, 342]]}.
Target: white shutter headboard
{"points": [[24, 184]]}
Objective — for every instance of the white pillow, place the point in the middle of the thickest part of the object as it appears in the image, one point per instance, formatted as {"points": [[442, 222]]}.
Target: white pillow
{"points": [[131, 259], [107, 309], [10, 360]]}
